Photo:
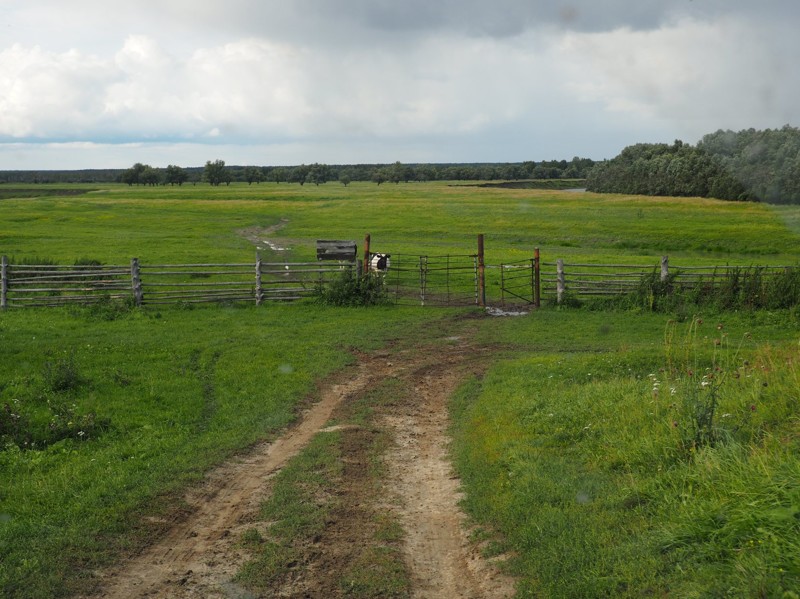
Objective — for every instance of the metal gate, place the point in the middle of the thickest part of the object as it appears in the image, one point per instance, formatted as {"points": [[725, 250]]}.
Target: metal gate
{"points": [[450, 280], [519, 282]]}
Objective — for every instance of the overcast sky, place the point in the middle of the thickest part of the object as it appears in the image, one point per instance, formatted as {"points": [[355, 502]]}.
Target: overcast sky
{"points": [[104, 84]]}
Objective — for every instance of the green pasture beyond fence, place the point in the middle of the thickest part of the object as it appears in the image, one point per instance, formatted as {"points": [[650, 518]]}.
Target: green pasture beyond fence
{"points": [[448, 280]]}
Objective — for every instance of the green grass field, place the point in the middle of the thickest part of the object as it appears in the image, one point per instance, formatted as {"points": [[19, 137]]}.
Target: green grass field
{"points": [[116, 223], [571, 455], [589, 449]]}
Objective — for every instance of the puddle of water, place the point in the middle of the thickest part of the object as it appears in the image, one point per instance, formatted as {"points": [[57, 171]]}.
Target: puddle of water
{"points": [[501, 312], [273, 247]]}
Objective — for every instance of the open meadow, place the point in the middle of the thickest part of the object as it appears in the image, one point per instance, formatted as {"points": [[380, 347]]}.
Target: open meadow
{"points": [[601, 452]]}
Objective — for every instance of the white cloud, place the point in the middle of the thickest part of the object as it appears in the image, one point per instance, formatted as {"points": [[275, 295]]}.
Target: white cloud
{"points": [[254, 88], [42, 90], [426, 79]]}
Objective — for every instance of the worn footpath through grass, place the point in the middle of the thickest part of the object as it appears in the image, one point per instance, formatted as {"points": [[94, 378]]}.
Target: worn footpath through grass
{"points": [[367, 509], [105, 419]]}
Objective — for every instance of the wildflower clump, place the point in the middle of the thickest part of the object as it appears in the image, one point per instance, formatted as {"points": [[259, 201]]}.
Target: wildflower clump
{"points": [[699, 367]]}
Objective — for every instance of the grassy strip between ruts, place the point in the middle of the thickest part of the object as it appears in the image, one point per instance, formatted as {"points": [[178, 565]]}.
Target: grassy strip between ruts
{"points": [[666, 463], [322, 531]]}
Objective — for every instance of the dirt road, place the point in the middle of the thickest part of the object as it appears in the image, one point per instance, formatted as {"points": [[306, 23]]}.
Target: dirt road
{"points": [[198, 556]]}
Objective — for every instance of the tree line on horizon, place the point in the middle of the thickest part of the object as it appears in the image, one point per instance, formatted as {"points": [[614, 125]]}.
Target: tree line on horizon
{"points": [[216, 172], [748, 165]]}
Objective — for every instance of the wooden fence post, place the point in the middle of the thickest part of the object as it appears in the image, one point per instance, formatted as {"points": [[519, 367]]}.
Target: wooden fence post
{"points": [[136, 282], [4, 283], [561, 282], [664, 268], [423, 278], [259, 289], [481, 273], [537, 284], [366, 254]]}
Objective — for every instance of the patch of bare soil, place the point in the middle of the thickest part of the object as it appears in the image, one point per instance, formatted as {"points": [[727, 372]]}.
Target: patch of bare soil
{"points": [[199, 556], [443, 562], [260, 236]]}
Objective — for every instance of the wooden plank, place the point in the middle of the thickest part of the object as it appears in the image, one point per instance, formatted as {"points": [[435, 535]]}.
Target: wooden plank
{"points": [[329, 249], [3, 282]]}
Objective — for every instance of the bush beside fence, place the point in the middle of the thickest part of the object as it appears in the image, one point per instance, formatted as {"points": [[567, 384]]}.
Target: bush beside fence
{"points": [[665, 286]]}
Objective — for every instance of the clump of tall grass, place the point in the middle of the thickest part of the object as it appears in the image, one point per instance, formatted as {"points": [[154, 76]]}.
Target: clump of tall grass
{"points": [[737, 288], [61, 373], [732, 508]]}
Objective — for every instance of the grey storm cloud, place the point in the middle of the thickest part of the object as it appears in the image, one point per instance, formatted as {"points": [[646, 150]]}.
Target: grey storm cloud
{"points": [[497, 18]]}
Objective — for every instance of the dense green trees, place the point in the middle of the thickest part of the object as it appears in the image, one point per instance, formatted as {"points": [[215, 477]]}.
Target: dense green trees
{"points": [[253, 174], [766, 163], [748, 165], [132, 176], [141, 174], [664, 170], [175, 175], [316, 173], [279, 174], [216, 173]]}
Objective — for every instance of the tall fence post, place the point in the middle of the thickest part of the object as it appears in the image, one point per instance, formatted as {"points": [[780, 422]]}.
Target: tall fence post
{"points": [[481, 273], [664, 268], [502, 285], [366, 254], [537, 282], [259, 289], [561, 282], [423, 278], [136, 282], [3, 283]]}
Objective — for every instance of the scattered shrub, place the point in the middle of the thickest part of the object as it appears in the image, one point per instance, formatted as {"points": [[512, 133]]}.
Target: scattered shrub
{"points": [[61, 374], [41, 412], [351, 290]]}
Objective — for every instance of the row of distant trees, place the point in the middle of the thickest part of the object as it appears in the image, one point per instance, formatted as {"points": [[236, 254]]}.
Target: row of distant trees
{"points": [[748, 165], [216, 172]]}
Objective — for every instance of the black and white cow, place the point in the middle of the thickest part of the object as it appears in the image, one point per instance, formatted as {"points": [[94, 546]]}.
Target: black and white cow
{"points": [[380, 263]]}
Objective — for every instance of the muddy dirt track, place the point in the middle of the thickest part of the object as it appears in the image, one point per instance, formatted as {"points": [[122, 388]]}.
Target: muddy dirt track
{"points": [[199, 555]]}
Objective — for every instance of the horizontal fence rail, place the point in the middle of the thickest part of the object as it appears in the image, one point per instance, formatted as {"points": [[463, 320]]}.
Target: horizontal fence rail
{"points": [[409, 279], [154, 284], [53, 285], [560, 279]]}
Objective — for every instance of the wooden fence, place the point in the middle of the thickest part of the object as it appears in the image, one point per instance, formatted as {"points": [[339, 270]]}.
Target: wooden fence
{"points": [[447, 280], [152, 284]]}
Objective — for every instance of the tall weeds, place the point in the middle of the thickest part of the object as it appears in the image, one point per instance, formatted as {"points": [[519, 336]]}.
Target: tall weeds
{"points": [[738, 288]]}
